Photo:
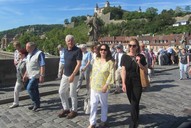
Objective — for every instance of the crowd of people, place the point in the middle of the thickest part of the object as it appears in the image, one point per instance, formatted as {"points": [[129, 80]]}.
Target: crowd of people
{"points": [[102, 67]]}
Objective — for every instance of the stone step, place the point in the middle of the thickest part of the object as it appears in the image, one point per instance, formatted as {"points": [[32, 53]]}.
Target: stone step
{"points": [[47, 88]]}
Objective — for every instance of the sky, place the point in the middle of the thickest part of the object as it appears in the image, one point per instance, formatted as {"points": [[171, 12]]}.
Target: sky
{"points": [[16, 13]]}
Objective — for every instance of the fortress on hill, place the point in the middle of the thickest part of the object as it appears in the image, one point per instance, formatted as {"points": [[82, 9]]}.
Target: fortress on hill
{"points": [[154, 41], [105, 17]]}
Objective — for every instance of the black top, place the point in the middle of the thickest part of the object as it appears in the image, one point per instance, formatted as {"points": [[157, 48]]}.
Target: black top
{"points": [[131, 66], [183, 58], [70, 59]]}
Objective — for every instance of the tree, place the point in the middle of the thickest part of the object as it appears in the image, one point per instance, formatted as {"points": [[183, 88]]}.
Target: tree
{"points": [[151, 13], [74, 19], [178, 11], [187, 8], [66, 21], [165, 18], [78, 20]]}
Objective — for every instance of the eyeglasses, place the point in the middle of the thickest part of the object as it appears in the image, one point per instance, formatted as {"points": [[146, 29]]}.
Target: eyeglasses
{"points": [[103, 49], [134, 46]]}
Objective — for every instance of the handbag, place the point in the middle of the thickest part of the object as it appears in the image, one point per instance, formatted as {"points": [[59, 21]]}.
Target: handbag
{"points": [[144, 79]]}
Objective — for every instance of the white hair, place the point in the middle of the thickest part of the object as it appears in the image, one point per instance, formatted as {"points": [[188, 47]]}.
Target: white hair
{"points": [[83, 46], [69, 37]]}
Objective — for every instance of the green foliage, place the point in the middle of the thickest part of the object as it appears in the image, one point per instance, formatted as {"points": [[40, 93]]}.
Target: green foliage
{"points": [[78, 20], [39, 29], [48, 37], [133, 15], [151, 13], [116, 13], [10, 48], [188, 8], [66, 21]]}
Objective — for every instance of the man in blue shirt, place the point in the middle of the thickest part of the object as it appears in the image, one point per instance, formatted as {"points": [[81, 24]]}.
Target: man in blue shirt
{"points": [[85, 70], [35, 72], [72, 62], [85, 67]]}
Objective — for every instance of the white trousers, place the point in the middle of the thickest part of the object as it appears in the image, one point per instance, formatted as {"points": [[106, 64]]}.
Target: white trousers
{"points": [[65, 88], [17, 89], [95, 98], [117, 78]]}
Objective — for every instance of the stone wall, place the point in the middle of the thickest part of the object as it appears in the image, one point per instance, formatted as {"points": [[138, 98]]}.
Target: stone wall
{"points": [[8, 71]]}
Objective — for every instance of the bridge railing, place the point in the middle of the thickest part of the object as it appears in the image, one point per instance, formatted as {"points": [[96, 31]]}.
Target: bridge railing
{"points": [[8, 71]]}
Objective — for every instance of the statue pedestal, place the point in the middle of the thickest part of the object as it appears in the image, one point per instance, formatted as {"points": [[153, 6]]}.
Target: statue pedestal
{"points": [[90, 43]]}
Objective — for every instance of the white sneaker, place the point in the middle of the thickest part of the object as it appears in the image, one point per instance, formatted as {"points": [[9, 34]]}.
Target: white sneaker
{"points": [[85, 104], [77, 90], [87, 111], [14, 106]]}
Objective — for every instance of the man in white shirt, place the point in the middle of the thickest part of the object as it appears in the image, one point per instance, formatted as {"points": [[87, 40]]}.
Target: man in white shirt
{"points": [[61, 62], [118, 68]]}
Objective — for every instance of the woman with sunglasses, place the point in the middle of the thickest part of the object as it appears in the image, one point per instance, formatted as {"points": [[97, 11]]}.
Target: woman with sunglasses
{"points": [[131, 83], [101, 78]]}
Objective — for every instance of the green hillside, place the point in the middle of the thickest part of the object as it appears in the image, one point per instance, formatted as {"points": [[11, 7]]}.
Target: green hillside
{"points": [[134, 23]]}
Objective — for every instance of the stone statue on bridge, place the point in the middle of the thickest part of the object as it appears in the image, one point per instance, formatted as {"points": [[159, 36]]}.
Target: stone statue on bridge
{"points": [[183, 40], [92, 22]]}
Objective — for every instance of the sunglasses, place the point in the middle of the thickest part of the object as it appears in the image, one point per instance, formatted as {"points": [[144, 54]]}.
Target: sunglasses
{"points": [[103, 49], [134, 46]]}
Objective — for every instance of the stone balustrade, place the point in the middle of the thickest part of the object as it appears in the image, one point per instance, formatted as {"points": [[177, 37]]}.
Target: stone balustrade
{"points": [[8, 71]]}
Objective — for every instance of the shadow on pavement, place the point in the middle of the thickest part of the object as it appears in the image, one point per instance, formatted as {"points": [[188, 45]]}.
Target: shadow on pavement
{"points": [[7, 89], [162, 81], [161, 73], [159, 87], [49, 85], [51, 104], [161, 120], [55, 104], [118, 115]]}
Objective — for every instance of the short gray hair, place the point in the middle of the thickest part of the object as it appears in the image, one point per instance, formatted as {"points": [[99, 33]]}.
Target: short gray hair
{"points": [[32, 43], [83, 46], [69, 37]]}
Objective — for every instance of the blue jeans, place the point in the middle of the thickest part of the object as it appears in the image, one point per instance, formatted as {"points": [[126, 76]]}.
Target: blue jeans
{"points": [[32, 88], [183, 69]]}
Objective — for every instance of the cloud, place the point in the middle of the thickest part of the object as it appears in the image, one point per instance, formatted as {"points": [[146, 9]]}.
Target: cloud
{"points": [[15, 1], [74, 9], [10, 11]]}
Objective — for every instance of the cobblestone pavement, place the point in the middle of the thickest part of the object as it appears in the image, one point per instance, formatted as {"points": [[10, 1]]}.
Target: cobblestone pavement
{"points": [[166, 104]]}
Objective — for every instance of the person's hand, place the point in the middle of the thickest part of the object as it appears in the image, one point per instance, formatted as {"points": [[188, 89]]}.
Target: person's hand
{"points": [[71, 78], [138, 59], [25, 78], [189, 71], [124, 87], [41, 79], [83, 69], [104, 88]]}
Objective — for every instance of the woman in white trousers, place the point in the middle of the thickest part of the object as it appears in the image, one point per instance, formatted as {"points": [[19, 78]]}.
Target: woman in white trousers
{"points": [[21, 67]]}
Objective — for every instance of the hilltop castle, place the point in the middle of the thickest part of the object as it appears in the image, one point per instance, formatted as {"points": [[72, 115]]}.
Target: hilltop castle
{"points": [[105, 17], [99, 11]]}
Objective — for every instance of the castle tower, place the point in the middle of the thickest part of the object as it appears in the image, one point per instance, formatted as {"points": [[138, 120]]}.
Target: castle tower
{"points": [[107, 4], [140, 10], [96, 9]]}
